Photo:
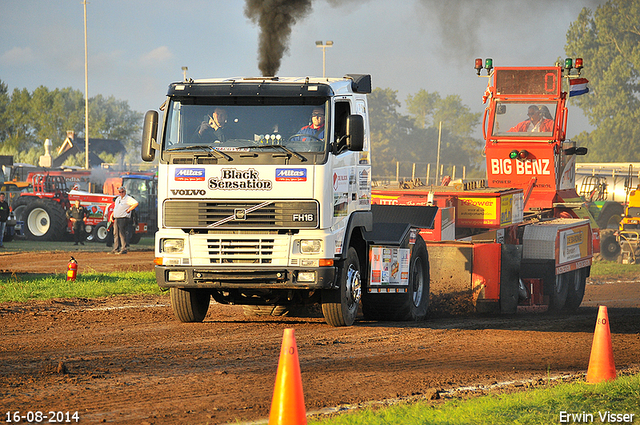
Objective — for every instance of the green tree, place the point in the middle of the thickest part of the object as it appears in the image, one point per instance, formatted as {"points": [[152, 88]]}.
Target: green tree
{"points": [[609, 42], [457, 146], [413, 138], [390, 132], [27, 119]]}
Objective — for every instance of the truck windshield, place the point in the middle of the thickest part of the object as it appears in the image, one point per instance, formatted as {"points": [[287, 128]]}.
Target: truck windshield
{"points": [[247, 127], [524, 119]]}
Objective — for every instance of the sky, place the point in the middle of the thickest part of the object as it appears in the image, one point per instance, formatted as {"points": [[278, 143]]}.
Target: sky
{"points": [[136, 48]]}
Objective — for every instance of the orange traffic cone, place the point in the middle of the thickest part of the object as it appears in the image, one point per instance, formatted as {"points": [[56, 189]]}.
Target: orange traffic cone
{"points": [[287, 406], [601, 365]]}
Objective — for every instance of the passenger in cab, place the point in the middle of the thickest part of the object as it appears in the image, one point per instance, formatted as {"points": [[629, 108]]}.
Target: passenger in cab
{"points": [[536, 123]]}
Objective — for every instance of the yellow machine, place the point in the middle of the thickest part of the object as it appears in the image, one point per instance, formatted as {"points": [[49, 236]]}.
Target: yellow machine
{"points": [[629, 232]]}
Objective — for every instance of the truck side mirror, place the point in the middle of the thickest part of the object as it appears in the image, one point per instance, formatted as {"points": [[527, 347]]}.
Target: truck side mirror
{"points": [[355, 132], [149, 135]]}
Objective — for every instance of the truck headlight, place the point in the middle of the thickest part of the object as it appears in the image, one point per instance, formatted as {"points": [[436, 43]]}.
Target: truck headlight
{"points": [[172, 246], [310, 246], [306, 277]]}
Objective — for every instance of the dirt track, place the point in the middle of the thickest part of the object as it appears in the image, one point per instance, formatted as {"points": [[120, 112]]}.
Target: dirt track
{"points": [[127, 360]]}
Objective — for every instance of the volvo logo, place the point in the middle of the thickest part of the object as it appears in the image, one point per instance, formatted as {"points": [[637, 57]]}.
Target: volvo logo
{"points": [[188, 192]]}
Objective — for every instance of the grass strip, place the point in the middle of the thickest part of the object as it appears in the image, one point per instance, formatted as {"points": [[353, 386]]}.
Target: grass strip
{"points": [[565, 403], [609, 268], [26, 287]]}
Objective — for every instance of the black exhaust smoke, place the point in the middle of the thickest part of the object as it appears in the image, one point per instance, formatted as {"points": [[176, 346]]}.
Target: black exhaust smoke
{"points": [[275, 19]]}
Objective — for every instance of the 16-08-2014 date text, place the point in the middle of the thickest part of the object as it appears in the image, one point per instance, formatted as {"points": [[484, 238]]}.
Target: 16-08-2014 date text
{"points": [[38, 416]]}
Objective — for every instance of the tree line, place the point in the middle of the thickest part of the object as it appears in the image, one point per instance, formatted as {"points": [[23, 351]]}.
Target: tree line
{"points": [[608, 39], [28, 118]]}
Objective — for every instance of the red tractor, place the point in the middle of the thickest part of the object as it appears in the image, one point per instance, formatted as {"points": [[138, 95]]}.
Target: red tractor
{"points": [[43, 211]]}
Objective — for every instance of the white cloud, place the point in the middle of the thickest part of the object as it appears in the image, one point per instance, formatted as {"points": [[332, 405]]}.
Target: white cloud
{"points": [[160, 54], [17, 56]]}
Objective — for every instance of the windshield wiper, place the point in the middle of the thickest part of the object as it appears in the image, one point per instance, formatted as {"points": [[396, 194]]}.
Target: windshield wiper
{"points": [[211, 150], [284, 148]]}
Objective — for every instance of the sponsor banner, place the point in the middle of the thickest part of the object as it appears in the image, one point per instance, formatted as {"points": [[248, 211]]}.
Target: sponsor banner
{"points": [[478, 210], [341, 180], [574, 243], [389, 266], [189, 174], [291, 174]]}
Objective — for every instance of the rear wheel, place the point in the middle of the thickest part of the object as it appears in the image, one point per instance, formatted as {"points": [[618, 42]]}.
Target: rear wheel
{"points": [[20, 204], [189, 305], [560, 290], [44, 220], [609, 246], [340, 307], [577, 284], [610, 216]]}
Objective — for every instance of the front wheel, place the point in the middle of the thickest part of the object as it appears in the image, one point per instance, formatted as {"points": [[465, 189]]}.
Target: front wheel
{"points": [[99, 233], [340, 307], [189, 305]]}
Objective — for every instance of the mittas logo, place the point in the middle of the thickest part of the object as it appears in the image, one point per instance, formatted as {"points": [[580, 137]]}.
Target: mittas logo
{"points": [[189, 174]]}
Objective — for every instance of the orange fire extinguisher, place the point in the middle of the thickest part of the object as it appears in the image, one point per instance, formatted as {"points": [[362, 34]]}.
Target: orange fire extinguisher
{"points": [[72, 269]]}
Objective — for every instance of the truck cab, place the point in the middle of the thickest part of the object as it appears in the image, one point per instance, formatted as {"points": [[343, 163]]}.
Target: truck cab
{"points": [[259, 205]]}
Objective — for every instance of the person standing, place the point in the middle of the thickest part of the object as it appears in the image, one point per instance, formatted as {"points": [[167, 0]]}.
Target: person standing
{"points": [[78, 216], [121, 219], [4, 216]]}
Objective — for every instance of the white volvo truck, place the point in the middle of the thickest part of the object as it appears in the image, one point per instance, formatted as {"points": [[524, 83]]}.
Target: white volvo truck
{"points": [[263, 213]]}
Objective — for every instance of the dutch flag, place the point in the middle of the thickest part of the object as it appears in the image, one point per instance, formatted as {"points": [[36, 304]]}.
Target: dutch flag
{"points": [[578, 86]]}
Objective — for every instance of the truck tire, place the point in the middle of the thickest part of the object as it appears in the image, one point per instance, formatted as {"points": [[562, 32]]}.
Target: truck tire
{"points": [[559, 292], [410, 306], [415, 303], [577, 284], [609, 246], [610, 216], [44, 220], [340, 307], [189, 305]]}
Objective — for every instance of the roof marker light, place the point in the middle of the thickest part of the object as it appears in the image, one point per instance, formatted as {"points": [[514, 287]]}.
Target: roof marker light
{"points": [[488, 64], [568, 63], [478, 65]]}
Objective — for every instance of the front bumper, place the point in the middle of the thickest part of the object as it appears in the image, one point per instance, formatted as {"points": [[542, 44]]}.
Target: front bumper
{"points": [[249, 278]]}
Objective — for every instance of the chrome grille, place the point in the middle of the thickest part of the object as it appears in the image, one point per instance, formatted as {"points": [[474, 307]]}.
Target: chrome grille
{"points": [[245, 251], [195, 214]]}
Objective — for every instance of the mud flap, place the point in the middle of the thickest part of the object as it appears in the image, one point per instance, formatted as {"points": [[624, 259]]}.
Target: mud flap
{"points": [[510, 278]]}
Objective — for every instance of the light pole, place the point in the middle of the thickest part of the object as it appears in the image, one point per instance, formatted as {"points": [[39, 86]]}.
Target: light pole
{"points": [[86, 92], [324, 46], [184, 73]]}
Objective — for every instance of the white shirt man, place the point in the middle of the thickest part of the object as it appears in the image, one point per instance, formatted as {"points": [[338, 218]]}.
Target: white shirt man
{"points": [[121, 217]]}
